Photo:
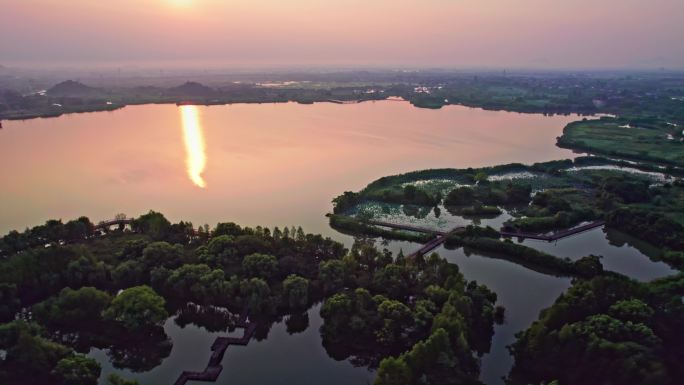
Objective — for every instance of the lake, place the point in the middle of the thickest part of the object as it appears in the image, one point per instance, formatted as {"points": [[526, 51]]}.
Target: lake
{"points": [[260, 164], [280, 165]]}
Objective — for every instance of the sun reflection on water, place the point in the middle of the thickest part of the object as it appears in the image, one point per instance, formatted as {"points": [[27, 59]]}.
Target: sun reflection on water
{"points": [[195, 152]]}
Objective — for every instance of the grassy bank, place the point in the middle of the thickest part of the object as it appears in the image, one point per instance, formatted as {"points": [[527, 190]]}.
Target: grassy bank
{"points": [[649, 140]]}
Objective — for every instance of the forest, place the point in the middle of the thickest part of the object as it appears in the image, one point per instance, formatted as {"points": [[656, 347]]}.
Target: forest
{"points": [[114, 288]]}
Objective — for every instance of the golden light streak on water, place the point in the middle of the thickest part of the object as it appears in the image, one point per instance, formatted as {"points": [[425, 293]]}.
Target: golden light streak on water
{"points": [[195, 150]]}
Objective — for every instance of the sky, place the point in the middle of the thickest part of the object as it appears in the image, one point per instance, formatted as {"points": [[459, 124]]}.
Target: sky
{"points": [[554, 34]]}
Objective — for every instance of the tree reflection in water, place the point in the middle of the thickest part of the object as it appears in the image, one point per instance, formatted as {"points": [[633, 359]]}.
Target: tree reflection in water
{"points": [[297, 323], [212, 318], [141, 353]]}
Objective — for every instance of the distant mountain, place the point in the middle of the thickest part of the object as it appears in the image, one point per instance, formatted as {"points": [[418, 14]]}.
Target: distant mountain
{"points": [[192, 89], [73, 88]]}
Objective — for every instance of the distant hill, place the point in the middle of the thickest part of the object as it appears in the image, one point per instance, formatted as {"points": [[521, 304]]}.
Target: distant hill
{"points": [[73, 88], [192, 89]]}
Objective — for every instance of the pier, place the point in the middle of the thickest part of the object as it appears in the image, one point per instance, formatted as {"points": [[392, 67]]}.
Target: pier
{"points": [[218, 349], [554, 236]]}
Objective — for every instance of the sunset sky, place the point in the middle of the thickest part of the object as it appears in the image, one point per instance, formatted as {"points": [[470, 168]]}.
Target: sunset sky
{"points": [[282, 33]]}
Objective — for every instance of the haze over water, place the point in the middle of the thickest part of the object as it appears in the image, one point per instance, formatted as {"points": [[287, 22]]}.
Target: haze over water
{"points": [[260, 164]]}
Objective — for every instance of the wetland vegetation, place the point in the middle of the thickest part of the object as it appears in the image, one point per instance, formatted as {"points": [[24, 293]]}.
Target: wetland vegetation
{"points": [[605, 320]]}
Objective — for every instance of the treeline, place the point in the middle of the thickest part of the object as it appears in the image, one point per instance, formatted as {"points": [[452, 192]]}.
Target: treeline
{"points": [[654, 228], [489, 193], [651, 227], [607, 330]]}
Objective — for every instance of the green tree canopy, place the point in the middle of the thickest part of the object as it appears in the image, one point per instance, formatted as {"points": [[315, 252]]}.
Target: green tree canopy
{"points": [[257, 295], [78, 370], [260, 265], [296, 290], [137, 308], [72, 308]]}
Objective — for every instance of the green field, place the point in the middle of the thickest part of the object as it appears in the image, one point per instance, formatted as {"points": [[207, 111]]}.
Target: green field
{"points": [[640, 140]]}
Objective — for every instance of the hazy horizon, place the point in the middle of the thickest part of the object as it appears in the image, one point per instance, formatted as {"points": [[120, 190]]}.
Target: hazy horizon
{"points": [[268, 34]]}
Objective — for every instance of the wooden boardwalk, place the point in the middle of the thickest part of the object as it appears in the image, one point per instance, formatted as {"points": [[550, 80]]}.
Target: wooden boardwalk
{"points": [[218, 350], [554, 236], [428, 247], [435, 243]]}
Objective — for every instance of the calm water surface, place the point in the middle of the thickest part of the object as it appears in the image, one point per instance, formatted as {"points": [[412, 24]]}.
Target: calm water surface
{"points": [[276, 165], [281, 357], [255, 164], [523, 292]]}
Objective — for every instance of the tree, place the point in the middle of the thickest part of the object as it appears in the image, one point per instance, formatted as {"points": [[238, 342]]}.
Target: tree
{"points": [[229, 228], [153, 224], [72, 308], [397, 319], [393, 371], [336, 312], [332, 274], [129, 273], [9, 301], [296, 291], [115, 379], [162, 254], [32, 355], [391, 280], [260, 265], [589, 266], [481, 177], [301, 237], [137, 308], [633, 310], [345, 202], [250, 244], [257, 295], [410, 192], [197, 283], [222, 250], [78, 229], [78, 370], [86, 271]]}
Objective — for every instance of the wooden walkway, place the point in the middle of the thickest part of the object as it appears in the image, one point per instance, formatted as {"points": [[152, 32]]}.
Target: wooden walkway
{"points": [[435, 243], [554, 236], [218, 349], [428, 247]]}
